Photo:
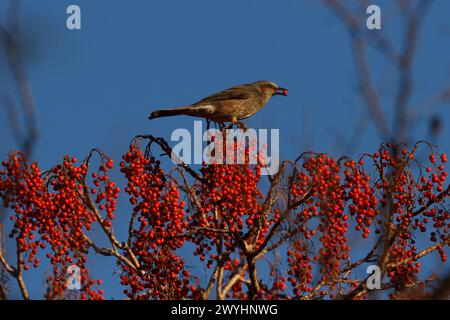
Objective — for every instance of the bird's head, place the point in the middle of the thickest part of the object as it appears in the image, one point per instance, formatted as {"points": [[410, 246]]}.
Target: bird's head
{"points": [[270, 89]]}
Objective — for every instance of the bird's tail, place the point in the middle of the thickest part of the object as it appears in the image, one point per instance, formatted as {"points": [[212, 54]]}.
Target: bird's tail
{"points": [[185, 110]]}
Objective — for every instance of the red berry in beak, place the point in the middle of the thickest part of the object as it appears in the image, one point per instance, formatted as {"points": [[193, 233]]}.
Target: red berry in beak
{"points": [[281, 91]]}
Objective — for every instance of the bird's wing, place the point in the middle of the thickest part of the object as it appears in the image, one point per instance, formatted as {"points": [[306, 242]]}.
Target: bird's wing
{"points": [[234, 93]]}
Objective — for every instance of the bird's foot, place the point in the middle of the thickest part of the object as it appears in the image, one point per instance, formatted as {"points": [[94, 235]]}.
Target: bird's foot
{"points": [[241, 126]]}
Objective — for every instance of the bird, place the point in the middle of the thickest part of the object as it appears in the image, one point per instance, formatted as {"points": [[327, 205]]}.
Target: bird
{"points": [[230, 105]]}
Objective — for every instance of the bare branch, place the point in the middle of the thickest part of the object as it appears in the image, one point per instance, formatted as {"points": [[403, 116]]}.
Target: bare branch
{"points": [[358, 47]]}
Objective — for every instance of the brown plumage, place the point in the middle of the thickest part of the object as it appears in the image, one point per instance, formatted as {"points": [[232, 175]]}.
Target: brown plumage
{"points": [[230, 105]]}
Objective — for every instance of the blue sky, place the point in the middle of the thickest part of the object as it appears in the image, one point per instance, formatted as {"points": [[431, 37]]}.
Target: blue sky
{"points": [[95, 87]]}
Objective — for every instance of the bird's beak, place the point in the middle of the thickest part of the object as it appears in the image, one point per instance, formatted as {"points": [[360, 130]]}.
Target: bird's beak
{"points": [[281, 91]]}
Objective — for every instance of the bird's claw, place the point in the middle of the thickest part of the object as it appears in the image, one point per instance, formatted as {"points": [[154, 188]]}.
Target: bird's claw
{"points": [[239, 125]]}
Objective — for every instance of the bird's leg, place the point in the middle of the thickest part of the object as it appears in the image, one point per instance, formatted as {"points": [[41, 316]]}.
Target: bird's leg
{"points": [[242, 126], [234, 121]]}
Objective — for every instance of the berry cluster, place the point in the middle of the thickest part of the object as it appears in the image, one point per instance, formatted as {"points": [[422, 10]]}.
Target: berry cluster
{"points": [[321, 175], [50, 211], [160, 230], [307, 213], [300, 269], [342, 189]]}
